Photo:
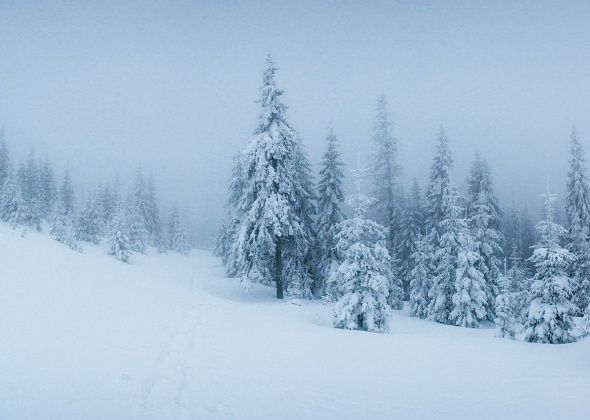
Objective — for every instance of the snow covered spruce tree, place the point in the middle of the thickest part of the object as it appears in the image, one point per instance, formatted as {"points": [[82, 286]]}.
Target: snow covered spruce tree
{"points": [[362, 281], [145, 198], [87, 224], [28, 179], [484, 217], [139, 237], [385, 171], [176, 236], [420, 281], [512, 303], [301, 258], [12, 204], [446, 255], [62, 222], [226, 241], [549, 318], [470, 298], [119, 243], [412, 227], [330, 213], [578, 218], [440, 206], [272, 236]]}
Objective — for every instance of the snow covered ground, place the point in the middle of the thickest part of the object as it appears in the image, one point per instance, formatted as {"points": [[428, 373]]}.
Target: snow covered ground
{"points": [[83, 336]]}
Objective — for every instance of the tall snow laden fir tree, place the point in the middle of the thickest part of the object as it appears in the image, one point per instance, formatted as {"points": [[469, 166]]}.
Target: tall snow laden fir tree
{"points": [[440, 208], [176, 235], [411, 229], [330, 212], [273, 238], [386, 189], [119, 243], [578, 218], [549, 317], [484, 216], [226, 241], [420, 280], [363, 281], [62, 222], [446, 254], [470, 298]]}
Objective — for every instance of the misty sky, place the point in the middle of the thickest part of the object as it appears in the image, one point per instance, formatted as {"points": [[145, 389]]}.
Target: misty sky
{"points": [[101, 87]]}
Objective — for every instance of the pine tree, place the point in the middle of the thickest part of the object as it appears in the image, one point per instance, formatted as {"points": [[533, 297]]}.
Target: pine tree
{"points": [[484, 214], [66, 194], [152, 212], [12, 205], [549, 317], [136, 231], [412, 227], [176, 235], [62, 221], [362, 280], [385, 171], [87, 222], [28, 178], [440, 183], [46, 189], [446, 258], [119, 243], [420, 282], [300, 256], [470, 298], [270, 226], [226, 242], [578, 218], [330, 213]]}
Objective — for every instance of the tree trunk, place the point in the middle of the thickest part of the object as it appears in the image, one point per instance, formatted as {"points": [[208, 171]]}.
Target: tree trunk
{"points": [[279, 268]]}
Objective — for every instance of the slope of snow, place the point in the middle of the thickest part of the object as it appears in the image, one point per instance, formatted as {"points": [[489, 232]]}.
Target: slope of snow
{"points": [[83, 336]]}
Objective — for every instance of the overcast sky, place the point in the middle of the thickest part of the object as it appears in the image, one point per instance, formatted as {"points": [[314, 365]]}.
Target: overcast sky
{"points": [[101, 87]]}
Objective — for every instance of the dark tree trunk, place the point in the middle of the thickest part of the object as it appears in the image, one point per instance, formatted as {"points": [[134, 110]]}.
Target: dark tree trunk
{"points": [[279, 268]]}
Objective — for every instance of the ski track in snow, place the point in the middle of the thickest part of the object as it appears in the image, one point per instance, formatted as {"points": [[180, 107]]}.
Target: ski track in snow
{"points": [[163, 393]]}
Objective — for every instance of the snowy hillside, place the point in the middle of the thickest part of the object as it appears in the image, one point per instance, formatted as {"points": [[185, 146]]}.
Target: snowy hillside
{"points": [[84, 336]]}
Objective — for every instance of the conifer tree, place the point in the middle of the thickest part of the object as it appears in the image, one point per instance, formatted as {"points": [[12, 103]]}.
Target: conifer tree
{"points": [[136, 230], [87, 224], [446, 258], [226, 242], [420, 281], [330, 213], [300, 256], [66, 194], [271, 227], [46, 189], [549, 318], [484, 216], [412, 227], [362, 281], [152, 212], [119, 243], [12, 205], [62, 220], [176, 235], [578, 218], [28, 178], [470, 298], [385, 170]]}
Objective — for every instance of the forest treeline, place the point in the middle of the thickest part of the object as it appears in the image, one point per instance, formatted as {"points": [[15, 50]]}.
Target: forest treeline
{"points": [[457, 259]]}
